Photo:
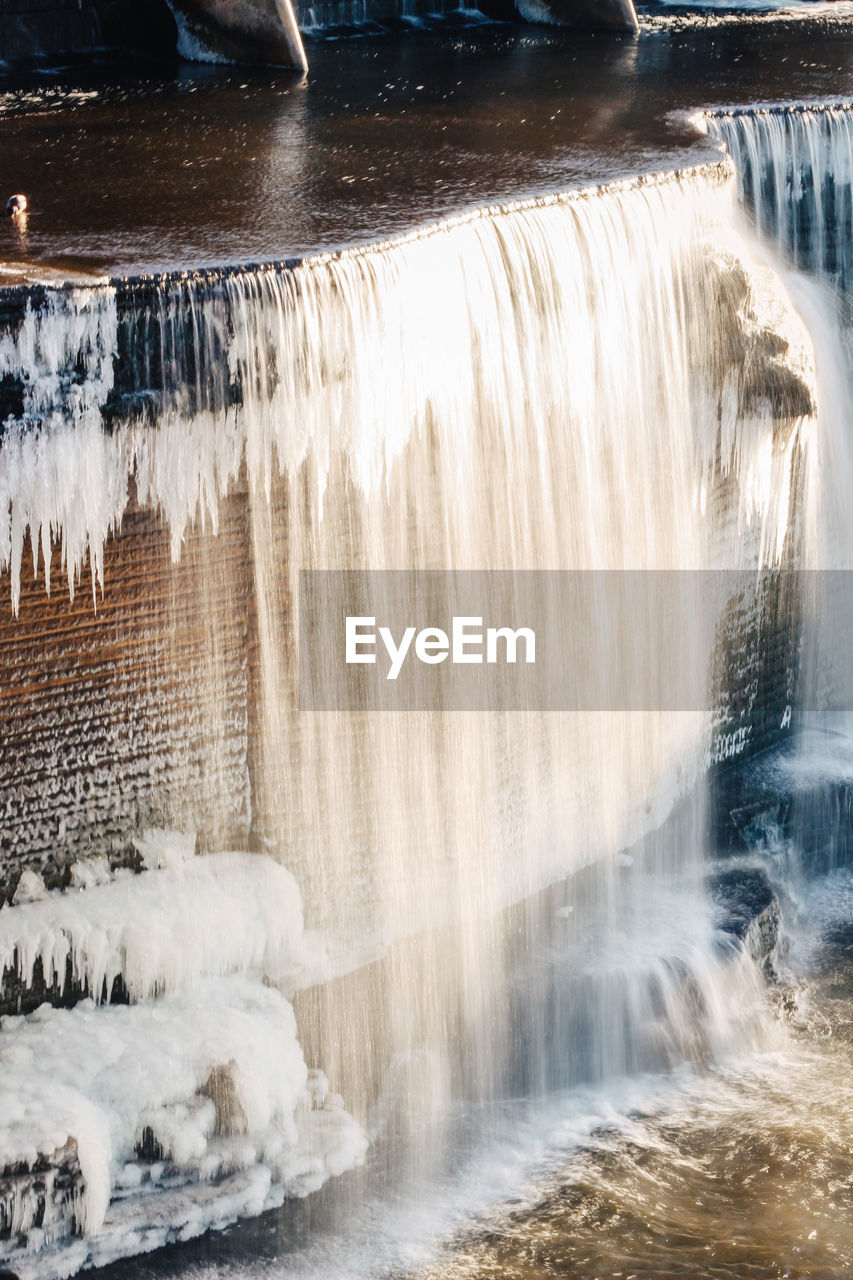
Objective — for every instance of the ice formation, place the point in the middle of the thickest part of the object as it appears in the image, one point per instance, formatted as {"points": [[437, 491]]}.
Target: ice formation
{"points": [[195, 1098], [159, 931], [330, 356]]}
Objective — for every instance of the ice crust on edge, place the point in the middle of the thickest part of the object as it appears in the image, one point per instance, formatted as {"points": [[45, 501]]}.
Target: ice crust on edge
{"points": [[161, 930]]}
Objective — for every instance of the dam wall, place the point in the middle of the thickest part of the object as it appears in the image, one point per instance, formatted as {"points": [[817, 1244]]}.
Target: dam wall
{"points": [[42, 31], [34, 32], [177, 449]]}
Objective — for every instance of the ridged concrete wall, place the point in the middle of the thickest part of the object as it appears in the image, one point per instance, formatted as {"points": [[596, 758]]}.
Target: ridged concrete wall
{"points": [[131, 712], [143, 708]]}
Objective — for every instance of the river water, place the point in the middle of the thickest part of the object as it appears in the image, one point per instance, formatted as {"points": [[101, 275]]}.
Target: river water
{"points": [[211, 166]]}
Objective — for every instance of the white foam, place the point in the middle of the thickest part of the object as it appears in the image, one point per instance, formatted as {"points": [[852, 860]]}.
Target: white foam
{"points": [[745, 13]]}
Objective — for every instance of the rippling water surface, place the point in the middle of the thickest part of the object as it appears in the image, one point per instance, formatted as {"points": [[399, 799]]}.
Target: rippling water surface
{"points": [[748, 1174], [200, 166]]}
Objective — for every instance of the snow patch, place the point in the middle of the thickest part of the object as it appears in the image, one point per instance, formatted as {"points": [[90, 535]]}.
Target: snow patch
{"points": [[88, 873], [158, 848], [31, 888], [166, 1116]]}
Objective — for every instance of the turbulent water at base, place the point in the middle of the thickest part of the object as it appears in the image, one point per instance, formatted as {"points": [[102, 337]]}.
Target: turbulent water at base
{"points": [[611, 380]]}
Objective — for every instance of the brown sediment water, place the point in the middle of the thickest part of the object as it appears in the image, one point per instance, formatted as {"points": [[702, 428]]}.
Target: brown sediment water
{"points": [[229, 165], [745, 1174]]}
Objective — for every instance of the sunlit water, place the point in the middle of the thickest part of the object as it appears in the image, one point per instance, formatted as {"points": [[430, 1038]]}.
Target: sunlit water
{"points": [[734, 1162], [200, 166], [745, 1172]]}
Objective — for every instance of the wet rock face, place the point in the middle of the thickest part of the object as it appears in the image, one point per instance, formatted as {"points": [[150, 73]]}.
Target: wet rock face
{"points": [[263, 31], [18, 997], [613, 15], [771, 808], [760, 359], [758, 368], [749, 910], [44, 1195], [221, 1088]]}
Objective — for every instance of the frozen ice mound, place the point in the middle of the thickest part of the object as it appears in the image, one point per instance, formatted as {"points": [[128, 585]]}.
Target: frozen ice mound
{"points": [[126, 1126], [160, 930]]}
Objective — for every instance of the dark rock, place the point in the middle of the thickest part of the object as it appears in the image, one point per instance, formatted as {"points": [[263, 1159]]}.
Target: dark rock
{"points": [[770, 381], [221, 1088], [11, 399], [769, 806], [263, 31], [148, 1147], [47, 1192], [749, 910], [614, 15], [18, 997], [35, 32]]}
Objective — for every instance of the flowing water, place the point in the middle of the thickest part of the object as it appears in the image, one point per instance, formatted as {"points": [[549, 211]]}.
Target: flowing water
{"points": [[513, 969], [745, 1171]]}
